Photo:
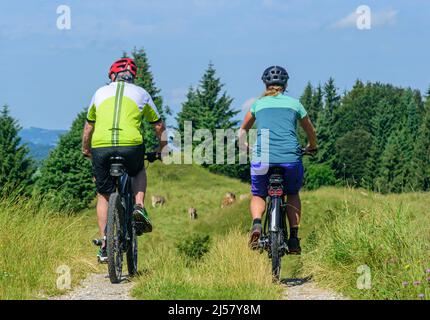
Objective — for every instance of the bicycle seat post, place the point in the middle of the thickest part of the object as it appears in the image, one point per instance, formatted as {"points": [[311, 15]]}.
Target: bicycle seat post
{"points": [[117, 167]]}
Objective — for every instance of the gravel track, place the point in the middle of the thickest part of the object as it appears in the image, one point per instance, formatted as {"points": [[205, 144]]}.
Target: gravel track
{"points": [[98, 287]]}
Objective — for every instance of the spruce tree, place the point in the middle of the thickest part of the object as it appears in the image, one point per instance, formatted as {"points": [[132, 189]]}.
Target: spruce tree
{"points": [[396, 175], [216, 111], [16, 168], [207, 106], [145, 79], [331, 97], [326, 122], [190, 111], [317, 104], [306, 100], [421, 158], [66, 175], [352, 151]]}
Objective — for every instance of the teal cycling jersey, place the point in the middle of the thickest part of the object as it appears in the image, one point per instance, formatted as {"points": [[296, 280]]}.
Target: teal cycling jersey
{"points": [[278, 117]]}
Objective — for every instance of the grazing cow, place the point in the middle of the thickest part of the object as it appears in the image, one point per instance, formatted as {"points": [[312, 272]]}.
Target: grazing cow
{"points": [[158, 200], [228, 200], [192, 213]]}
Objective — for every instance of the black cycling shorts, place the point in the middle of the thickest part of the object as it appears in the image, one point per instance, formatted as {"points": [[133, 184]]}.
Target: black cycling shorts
{"points": [[134, 160]]}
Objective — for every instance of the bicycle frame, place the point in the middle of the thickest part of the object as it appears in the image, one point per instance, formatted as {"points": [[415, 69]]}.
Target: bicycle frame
{"points": [[276, 218], [127, 199]]}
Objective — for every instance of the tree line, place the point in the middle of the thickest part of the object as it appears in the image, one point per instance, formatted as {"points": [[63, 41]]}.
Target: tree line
{"points": [[375, 136]]}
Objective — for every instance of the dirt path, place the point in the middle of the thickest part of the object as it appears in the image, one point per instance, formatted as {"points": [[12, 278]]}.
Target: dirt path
{"points": [[98, 287], [304, 289]]}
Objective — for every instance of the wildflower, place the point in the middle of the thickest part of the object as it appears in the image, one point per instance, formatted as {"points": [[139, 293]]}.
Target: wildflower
{"points": [[421, 296], [405, 283], [417, 283]]}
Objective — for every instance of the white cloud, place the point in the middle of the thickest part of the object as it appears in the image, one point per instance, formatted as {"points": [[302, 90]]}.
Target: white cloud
{"points": [[387, 17], [379, 19], [246, 106], [178, 95]]}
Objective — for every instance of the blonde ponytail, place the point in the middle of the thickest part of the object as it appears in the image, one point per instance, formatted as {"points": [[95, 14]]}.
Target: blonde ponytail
{"points": [[273, 91]]}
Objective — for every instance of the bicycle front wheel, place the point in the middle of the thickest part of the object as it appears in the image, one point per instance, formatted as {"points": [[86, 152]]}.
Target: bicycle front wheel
{"points": [[114, 245]]}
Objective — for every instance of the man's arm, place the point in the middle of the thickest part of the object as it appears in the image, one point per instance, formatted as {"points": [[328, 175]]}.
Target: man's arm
{"points": [[309, 129], [86, 138]]}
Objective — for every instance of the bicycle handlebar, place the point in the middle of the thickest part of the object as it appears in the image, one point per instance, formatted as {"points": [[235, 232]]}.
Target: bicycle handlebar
{"points": [[151, 157], [307, 152]]}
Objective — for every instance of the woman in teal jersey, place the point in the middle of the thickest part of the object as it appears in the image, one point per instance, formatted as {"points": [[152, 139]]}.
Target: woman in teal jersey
{"points": [[277, 114]]}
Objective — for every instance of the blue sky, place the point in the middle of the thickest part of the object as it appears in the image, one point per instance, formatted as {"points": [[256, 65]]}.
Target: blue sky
{"points": [[49, 75]]}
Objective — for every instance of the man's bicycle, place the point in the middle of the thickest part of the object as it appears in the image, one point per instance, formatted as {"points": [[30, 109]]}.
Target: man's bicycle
{"points": [[120, 232], [275, 235]]}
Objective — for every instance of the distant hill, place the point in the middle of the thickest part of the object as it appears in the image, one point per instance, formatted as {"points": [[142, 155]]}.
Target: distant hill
{"points": [[40, 141]]}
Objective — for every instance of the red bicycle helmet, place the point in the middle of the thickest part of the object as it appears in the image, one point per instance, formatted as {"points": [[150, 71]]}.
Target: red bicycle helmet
{"points": [[121, 65]]}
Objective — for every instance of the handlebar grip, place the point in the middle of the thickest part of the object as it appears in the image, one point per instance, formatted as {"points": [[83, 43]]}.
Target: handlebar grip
{"points": [[153, 156]]}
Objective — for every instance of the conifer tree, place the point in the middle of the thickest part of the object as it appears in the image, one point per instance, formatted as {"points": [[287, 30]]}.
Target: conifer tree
{"points": [[16, 167], [207, 106], [145, 79], [317, 104], [66, 175], [421, 158], [325, 124]]}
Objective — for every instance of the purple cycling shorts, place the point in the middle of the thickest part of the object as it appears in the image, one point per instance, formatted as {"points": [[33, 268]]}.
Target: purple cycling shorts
{"points": [[293, 177]]}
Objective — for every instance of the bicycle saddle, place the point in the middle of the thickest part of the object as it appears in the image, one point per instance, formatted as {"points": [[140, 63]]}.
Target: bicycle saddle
{"points": [[276, 175], [117, 168]]}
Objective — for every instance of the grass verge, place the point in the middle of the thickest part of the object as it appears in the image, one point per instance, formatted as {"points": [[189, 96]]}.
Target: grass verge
{"points": [[35, 242], [388, 234]]}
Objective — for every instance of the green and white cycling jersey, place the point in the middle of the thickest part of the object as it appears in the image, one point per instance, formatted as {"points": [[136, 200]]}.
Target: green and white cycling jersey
{"points": [[117, 111]]}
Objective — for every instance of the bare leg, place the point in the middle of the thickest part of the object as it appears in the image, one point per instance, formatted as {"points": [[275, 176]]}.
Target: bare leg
{"points": [[258, 207], [294, 210], [102, 213], [139, 184]]}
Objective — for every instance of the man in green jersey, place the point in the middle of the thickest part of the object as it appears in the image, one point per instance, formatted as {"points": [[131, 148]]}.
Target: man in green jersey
{"points": [[113, 129]]}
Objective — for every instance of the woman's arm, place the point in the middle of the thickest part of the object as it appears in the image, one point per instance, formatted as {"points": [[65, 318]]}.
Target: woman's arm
{"points": [[309, 129], [247, 124]]}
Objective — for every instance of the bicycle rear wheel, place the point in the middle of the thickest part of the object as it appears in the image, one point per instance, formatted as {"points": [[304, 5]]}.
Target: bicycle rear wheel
{"points": [[275, 251], [114, 233]]}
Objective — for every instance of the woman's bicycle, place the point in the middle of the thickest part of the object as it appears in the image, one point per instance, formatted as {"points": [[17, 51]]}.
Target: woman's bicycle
{"points": [[120, 230], [275, 235]]}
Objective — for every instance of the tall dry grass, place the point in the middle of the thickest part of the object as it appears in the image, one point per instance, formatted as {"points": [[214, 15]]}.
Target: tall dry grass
{"points": [[35, 241], [229, 271], [389, 234]]}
